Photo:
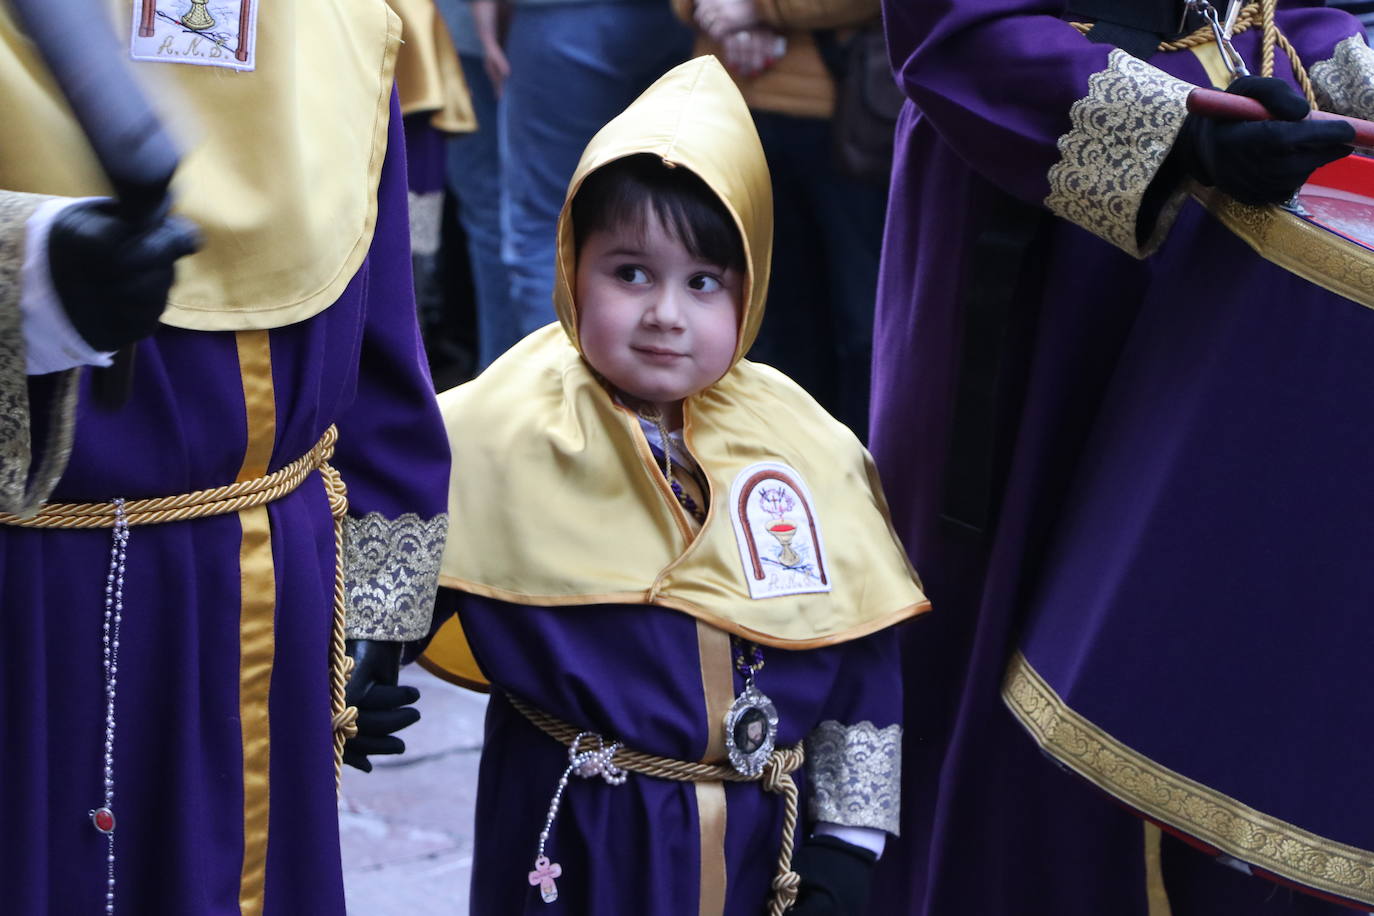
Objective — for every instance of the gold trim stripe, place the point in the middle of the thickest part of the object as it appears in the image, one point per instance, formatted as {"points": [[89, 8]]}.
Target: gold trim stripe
{"points": [[1171, 798], [257, 612], [711, 814], [718, 692], [1156, 895], [1311, 252]]}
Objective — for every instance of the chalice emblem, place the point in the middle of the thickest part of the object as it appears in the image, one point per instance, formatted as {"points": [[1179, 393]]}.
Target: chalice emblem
{"points": [[198, 18], [777, 502]]}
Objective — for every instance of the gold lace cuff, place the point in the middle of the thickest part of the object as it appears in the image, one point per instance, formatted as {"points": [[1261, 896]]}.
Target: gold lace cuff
{"points": [[391, 568], [1345, 82], [1123, 130], [855, 772], [24, 487]]}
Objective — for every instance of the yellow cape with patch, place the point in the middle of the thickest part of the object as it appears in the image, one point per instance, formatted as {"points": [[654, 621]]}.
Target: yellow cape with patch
{"points": [[280, 171], [556, 498]]}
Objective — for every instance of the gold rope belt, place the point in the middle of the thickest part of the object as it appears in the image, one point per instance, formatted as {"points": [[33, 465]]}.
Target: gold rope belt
{"points": [[1262, 14], [775, 777], [225, 500]]}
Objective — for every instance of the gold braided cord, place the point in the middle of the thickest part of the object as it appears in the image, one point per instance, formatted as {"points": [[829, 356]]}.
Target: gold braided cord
{"points": [[234, 497], [225, 500], [776, 777], [344, 718], [1249, 17], [1262, 13], [1299, 71], [1268, 11]]}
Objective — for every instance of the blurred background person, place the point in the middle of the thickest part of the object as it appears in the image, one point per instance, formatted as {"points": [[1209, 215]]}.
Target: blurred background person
{"points": [[473, 166], [438, 109], [563, 69], [788, 58]]}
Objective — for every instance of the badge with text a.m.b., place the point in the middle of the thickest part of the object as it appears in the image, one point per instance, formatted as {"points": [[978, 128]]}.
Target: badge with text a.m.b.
{"points": [[206, 33]]}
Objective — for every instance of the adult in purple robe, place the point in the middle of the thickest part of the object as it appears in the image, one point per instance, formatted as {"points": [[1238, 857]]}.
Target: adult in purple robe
{"points": [[223, 750], [1153, 507]]}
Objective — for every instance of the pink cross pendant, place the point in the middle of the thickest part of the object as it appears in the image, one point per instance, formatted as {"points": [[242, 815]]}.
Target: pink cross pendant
{"points": [[542, 877]]}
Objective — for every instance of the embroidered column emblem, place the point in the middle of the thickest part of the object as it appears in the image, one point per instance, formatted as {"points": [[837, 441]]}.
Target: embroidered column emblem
{"points": [[777, 531], [207, 33]]}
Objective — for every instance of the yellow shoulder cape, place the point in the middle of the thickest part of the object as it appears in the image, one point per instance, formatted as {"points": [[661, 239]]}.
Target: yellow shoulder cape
{"points": [[281, 175], [556, 498]]}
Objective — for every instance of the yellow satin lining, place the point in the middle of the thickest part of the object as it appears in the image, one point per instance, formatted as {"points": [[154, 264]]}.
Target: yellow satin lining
{"points": [[1209, 55], [1156, 895], [257, 611]]}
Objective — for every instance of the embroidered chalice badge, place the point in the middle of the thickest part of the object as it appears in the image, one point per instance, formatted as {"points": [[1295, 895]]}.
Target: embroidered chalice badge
{"points": [[778, 532]]}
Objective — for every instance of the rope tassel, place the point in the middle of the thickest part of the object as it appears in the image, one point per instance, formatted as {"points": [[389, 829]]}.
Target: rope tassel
{"points": [[776, 777]]}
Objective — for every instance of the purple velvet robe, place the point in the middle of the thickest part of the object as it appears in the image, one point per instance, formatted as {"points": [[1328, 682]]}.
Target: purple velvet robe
{"points": [[182, 783], [633, 674], [1181, 548]]}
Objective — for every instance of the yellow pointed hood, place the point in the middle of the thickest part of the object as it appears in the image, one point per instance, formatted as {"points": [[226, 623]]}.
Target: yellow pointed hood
{"points": [[557, 499], [693, 117]]}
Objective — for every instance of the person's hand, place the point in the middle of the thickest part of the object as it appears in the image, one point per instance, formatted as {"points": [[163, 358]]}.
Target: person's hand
{"points": [[112, 275], [486, 17], [1261, 162], [835, 877], [383, 707], [751, 51], [719, 18]]}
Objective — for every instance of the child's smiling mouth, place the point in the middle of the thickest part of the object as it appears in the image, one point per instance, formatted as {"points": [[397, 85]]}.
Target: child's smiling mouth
{"points": [[658, 354]]}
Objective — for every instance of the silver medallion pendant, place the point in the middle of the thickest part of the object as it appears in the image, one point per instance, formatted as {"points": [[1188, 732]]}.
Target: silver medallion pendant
{"points": [[751, 730]]}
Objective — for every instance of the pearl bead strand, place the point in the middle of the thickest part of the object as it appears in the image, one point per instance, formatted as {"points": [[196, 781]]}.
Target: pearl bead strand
{"points": [[103, 817]]}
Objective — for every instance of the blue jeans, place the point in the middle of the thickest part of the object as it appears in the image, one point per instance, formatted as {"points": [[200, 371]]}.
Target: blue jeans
{"points": [[573, 67], [474, 177]]}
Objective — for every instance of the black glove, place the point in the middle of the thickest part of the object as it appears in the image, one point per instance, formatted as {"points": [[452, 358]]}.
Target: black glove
{"points": [[1261, 162], [835, 876], [113, 275], [383, 707]]}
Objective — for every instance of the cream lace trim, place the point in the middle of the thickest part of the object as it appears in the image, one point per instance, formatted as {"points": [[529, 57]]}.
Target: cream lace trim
{"points": [[426, 217], [391, 569], [22, 487], [1345, 83], [855, 775], [1122, 132]]}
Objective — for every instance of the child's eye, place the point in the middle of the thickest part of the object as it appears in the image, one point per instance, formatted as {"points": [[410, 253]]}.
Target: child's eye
{"points": [[629, 273], [705, 283]]}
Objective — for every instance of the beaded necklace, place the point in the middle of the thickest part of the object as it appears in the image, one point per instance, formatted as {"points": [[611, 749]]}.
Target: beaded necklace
{"points": [[655, 416]]}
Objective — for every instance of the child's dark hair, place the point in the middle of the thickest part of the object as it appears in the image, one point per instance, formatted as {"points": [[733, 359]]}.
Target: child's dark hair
{"points": [[625, 190]]}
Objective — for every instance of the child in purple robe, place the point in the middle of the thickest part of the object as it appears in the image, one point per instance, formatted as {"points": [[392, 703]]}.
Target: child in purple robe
{"points": [[674, 568]]}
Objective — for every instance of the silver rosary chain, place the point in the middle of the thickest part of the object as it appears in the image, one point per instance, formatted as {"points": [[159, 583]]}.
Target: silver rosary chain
{"points": [[587, 764], [103, 817]]}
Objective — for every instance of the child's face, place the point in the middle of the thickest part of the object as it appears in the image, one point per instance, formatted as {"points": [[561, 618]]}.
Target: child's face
{"points": [[658, 323]]}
